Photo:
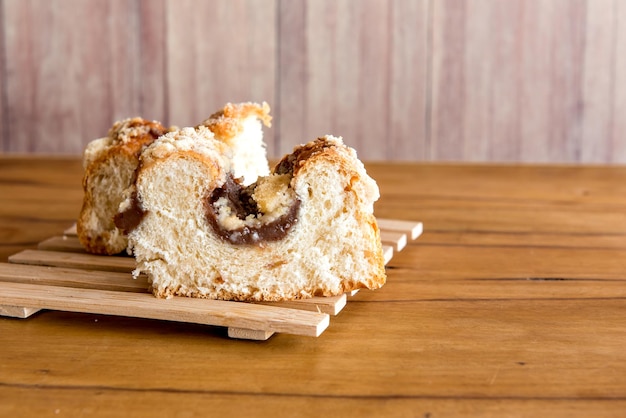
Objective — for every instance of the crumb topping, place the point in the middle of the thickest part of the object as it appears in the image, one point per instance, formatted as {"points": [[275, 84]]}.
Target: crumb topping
{"points": [[228, 122], [136, 129]]}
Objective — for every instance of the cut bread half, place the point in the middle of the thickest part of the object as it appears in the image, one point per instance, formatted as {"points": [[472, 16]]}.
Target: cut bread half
{"points": [[306, 229]]}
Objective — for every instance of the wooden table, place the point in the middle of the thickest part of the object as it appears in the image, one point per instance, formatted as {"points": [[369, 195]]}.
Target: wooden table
{"points": [[512, 302]]}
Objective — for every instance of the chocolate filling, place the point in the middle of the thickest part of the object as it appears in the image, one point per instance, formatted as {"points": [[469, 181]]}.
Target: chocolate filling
{"points": [[241, 204], [129, 219]]}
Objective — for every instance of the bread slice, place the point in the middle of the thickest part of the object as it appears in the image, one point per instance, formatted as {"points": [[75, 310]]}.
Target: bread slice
{"points": [[306, 229], [110, 165]]}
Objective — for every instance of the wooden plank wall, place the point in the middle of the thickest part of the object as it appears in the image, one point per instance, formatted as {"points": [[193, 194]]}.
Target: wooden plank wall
{"points": [[423, 80]]}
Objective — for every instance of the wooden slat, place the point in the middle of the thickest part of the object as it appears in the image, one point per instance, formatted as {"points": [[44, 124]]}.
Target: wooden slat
{"points": [[387, 253], [140, 305], [71, 277], [73, 260], [108, 280], [17, 311], [249, 334], [331, 305], [413, 229], [396, 239]]}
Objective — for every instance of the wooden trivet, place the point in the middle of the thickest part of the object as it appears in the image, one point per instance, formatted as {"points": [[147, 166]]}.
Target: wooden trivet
{"points": [[59, 275]]}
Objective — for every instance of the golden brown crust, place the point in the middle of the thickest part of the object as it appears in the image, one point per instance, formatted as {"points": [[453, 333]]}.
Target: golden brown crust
{"points": [[116, 155], [228, 122], [129, 136], [185, 143], [100, 238]]}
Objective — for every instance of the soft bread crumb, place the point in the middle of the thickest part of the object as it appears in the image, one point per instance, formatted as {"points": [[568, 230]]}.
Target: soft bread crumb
{"points": [[273, 194], [334, 247]]}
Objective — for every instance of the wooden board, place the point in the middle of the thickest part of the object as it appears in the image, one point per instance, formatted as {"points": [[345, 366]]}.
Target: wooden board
{"points": [[60, 275]]}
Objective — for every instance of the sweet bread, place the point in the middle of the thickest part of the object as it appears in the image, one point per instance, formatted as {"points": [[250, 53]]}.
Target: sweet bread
{"points": [[305, 229], [110, 165]]}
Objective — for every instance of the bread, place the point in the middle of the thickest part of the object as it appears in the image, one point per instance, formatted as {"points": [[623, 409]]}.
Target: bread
{"points": [[239, 126], [110, 164], [306, 229]]}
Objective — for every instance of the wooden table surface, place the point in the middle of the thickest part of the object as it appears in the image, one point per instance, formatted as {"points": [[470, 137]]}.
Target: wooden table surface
{"points": [[512, 302]]}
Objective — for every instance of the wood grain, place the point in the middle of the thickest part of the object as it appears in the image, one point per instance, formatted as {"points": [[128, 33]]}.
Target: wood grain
{"points": [[105, 275], [151, 60], [511, 303], [219, 51], [293, 59], [346, 76], [507, 79], [619, 90], [497, 350], [74, 260], [517, 81], [37, 401], [79, 75], [68, 277], [144, 305], [409, 79]]}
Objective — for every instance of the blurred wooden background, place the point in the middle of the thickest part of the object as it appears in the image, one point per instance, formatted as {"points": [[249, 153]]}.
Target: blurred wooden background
{"points": [[473, 80]]}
